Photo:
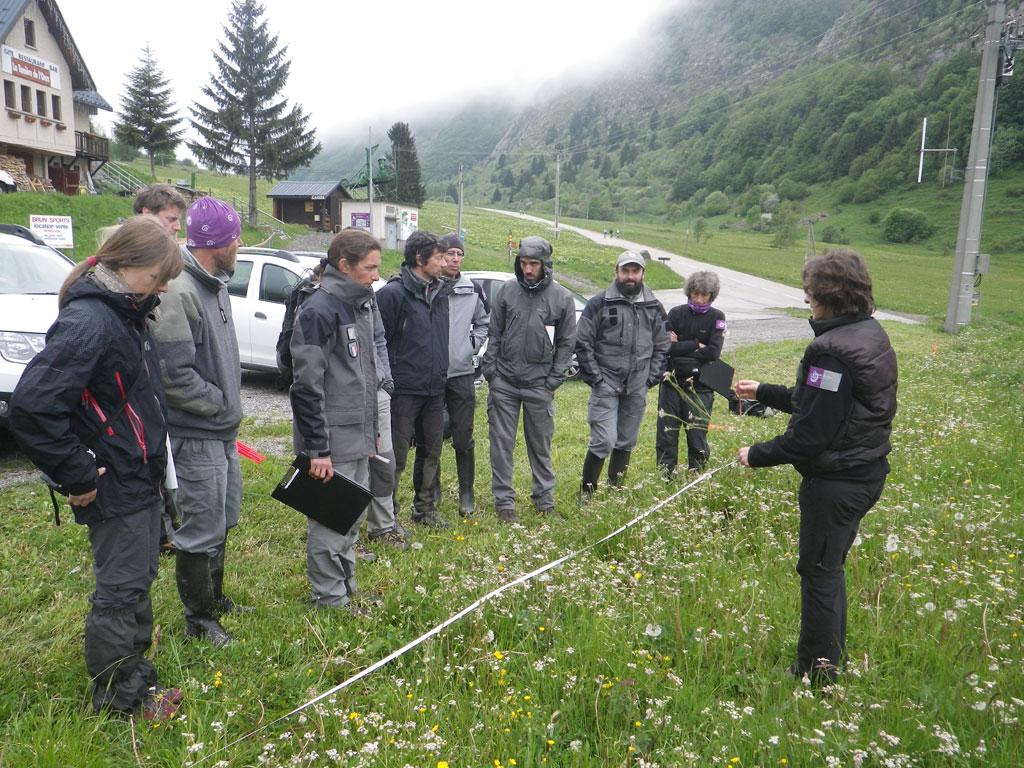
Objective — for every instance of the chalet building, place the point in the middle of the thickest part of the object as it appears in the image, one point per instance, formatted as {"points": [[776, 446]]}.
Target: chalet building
{"points": [[329, 207], [48, 97]]}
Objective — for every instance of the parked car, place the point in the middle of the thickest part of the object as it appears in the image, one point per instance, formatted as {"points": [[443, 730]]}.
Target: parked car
{"points": [[259, 289], [31, 274], [490, 282]]}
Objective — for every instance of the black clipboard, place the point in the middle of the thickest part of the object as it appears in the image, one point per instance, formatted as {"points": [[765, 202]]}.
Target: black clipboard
{"points": [[338, 503], [717, 375]]}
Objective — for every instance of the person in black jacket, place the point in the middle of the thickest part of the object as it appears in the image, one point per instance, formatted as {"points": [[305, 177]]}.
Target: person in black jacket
{"points": [[414, 308], [842, 409], [89, 412], [697, 331]]}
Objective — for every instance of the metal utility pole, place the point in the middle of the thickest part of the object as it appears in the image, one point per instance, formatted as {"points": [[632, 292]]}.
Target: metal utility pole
{"points": [[972, 207], [558, 184], [369, 171], [458, 222]]}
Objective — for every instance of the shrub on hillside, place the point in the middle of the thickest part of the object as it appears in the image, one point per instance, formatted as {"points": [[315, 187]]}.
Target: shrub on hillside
{"points": [[906, 225], [874, 217], [793, 190], [716, 204], [845, 192], [836, 235]]}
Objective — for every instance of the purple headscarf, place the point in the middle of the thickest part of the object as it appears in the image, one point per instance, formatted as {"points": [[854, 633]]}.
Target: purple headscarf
{"points": [[211, 223]]}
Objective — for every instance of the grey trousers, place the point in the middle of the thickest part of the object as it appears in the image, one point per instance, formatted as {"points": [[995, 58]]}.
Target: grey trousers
{"points": [[209, 495], [330, 561], [504, 402], [119, 626], [614, 420], [380, 515]]}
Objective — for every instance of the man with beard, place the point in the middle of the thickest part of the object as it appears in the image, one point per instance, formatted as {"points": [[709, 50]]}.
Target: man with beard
{"points": [[202, 378], [621, 346], [529, 348]]}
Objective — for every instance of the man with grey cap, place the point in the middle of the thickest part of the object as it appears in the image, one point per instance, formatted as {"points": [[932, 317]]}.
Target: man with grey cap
{"points": [[621, 345], [202, 378], [529, 348]]}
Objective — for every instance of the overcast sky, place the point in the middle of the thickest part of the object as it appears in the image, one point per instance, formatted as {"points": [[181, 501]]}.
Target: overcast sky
{"points": [[353, 62]]}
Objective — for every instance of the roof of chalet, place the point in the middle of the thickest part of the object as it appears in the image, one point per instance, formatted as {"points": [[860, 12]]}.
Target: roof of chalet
{"points": [[82, 85], [307, 189]]}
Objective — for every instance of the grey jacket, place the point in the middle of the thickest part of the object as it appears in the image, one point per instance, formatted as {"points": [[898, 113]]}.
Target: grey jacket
{"points": [[622, 343], [334, 389], [468, 321], [199, 355], [532, 332]]}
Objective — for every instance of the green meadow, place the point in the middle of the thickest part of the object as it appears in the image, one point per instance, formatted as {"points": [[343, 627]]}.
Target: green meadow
{"points": [[665, 646]]}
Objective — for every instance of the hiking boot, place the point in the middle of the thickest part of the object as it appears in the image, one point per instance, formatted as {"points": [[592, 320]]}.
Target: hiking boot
{"points": [[591, 472], [363, 553], [549, 513], [161, 704], [507, 515], [363, 597], [192, 573], [392, 538], [465, 464], [431, 520], [208, 629], [356, 611]]}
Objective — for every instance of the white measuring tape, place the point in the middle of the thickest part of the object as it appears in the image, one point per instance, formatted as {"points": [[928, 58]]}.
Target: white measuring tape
{"points": [[472, 607]]}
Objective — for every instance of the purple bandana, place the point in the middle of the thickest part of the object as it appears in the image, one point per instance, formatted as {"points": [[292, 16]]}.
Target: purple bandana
{"points": [[700, 309], [211, 223]]}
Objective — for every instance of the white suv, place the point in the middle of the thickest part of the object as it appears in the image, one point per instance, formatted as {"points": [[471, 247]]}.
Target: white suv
{"points": [[31, 274], [259, 289]]}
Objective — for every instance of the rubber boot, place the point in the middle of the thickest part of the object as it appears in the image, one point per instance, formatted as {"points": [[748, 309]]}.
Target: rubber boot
{"points": [[417, 477], [618, 463], [591, 475], [465, 465], [192, 572], [222, 603]]}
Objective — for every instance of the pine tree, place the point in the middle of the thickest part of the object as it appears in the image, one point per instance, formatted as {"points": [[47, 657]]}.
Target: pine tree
{"points": [[148, 119], [408, 187], [250, 128]]}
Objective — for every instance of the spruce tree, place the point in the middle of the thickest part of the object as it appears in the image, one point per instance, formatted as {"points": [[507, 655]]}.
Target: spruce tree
{"points": [[148, 119], [250, 129], [408, 188]]}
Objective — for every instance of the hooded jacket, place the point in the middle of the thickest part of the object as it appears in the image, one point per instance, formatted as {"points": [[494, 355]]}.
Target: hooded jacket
{"points": [[199, 355], [415, 316], [99, 355], [334, 389], [532, 331], [621, 341], [468, 321]]}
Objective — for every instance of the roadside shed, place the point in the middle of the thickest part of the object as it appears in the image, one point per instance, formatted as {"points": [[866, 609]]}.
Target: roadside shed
{"points": [[317, 204]]}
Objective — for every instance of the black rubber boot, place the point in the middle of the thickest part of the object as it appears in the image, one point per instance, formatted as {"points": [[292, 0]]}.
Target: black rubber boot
{"points": [[417, 477], [192, 572], [222, 603], [618, 463], [465, 465], [591, 475]]}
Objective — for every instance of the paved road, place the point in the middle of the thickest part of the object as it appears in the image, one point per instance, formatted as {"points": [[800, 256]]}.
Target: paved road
{"points": [[752, 304]]}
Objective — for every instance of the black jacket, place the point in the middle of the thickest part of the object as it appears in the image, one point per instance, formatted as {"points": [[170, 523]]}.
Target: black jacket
{"points": [[691, 327], [417, 333], [843, 403], [98, 355]]}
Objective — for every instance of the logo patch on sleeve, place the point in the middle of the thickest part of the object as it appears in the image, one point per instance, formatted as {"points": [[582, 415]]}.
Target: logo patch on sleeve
{"points": [[820, 378], [720, 325]]}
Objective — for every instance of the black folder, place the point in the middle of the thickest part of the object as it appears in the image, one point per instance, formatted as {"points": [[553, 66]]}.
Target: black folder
{"points": [[718, 376], [338, 503]]}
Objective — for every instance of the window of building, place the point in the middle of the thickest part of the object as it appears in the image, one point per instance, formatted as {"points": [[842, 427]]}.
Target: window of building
{"points": [[41, 103], [30, 33], [10, 95], [26, 99], [55, 99]]}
